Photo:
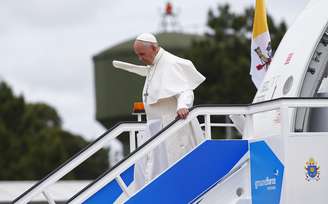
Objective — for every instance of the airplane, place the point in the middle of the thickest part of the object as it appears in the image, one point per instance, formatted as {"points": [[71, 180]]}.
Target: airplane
{"points": [[281, 157]]}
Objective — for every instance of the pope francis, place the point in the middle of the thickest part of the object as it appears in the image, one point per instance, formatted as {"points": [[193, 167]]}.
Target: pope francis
{"points": [[167, 92]]}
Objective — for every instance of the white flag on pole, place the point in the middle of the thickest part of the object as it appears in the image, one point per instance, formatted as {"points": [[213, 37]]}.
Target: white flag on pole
{"points": [[261, 51]]}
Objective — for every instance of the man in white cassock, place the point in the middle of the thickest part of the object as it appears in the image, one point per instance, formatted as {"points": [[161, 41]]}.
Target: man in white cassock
{"points": [[167, 92]]}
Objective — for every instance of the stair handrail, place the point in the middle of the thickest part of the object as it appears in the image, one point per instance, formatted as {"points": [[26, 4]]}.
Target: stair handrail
{"points": [[77, 159], [206, 111], [152, 143]]}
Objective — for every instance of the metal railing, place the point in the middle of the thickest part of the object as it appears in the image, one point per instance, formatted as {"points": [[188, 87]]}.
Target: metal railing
{"points": [[77, 159], [205, 111]]}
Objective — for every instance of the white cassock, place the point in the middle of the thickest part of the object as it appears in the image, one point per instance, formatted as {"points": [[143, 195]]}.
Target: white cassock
{"points": [[155, 161], [169, 86]]}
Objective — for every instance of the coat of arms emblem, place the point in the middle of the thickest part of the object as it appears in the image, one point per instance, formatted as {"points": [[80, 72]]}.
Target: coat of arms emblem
{"points": [[265, 58], [312, 170]]}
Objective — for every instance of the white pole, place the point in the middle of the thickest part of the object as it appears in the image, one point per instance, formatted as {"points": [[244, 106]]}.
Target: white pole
{"points": [[132, 141], [48, 197], [208, 126]]}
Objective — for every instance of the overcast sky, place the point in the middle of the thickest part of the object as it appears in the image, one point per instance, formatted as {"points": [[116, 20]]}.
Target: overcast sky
{"points": [[46, 45]]}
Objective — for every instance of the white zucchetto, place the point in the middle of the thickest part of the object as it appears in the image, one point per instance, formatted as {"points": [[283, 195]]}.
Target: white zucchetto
{"points": [[147, 37]]}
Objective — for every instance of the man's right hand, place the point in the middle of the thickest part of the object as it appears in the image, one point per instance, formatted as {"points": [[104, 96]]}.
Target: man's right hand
{"points": [[183, 113]]}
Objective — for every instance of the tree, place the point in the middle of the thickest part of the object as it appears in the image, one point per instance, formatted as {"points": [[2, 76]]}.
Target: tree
{"points": [[33, 143], [224, 56]]}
